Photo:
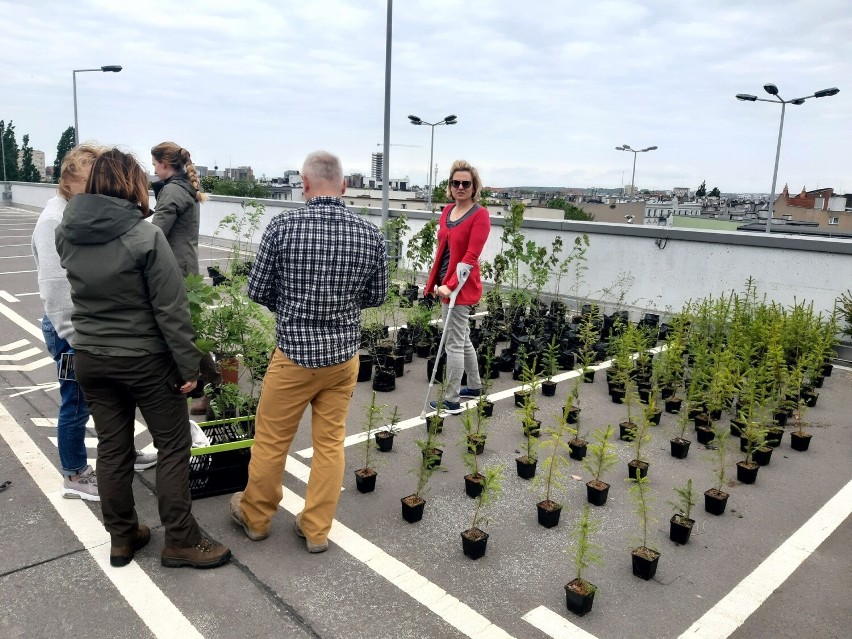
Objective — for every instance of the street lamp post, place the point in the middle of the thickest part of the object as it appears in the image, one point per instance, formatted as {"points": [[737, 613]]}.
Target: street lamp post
{"points": [[626, 147], [772, 90], [114, 68], [450, 119]]}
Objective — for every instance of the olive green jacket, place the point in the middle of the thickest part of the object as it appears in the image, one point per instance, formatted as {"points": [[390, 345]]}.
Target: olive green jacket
{"points": [[179, 215]]}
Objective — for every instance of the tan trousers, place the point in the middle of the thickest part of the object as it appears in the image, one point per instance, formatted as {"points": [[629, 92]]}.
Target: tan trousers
{"points": [[287, 390]]}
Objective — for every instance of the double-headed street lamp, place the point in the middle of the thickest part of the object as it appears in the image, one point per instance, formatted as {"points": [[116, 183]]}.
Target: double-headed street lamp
{"points": [[626, 147], [450, 119], [772, 90], [114, 68]]}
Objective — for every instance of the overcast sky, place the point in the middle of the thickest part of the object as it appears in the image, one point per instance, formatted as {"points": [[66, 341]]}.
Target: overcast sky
{"points": [[544, 90]]}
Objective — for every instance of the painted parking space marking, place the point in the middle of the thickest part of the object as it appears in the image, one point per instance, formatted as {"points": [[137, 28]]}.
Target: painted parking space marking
{"points": [[28, 326], [459, 615], [747, 596], [17, 272], [554, 625], [152, 606], [16, 357], [9, 297], [48, 387], [5, 348], [14, 257]]}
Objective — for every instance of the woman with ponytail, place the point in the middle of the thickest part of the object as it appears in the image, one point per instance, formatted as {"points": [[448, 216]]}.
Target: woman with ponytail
{"points": [[178, 210]]}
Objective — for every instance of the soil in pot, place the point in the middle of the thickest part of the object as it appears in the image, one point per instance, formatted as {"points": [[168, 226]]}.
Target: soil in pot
{"points": [[704, 435], [627, 431], [679, 447], [673, 405], [597, 492], [526, 468], [384, 441], [548, 513], [680, 528], [637, 469], [800, 441], [715, 501], [474, 542], [747, 472], [579, 596], [473, 485], [762, 455], [548, 389], [365, 480], [578, 448], [412, 508], [645, 562]]}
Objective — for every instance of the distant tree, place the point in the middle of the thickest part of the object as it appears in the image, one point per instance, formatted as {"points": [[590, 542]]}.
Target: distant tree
{"points": [[28, 171], [209, 182], [66, 143], [483, 197], [10, 149], [715, 192], [571, 212], [439, 193], [241, 188], [702, 190]]}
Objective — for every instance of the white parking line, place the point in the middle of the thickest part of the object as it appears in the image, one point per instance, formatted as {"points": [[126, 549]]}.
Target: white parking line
{"points": [[29, 327], [154, 608], [554, 625], [14, 257], [9, 297]]}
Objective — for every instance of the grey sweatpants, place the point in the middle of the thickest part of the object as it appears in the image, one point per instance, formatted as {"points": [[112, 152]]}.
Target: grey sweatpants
{"points": [[461, 356]]}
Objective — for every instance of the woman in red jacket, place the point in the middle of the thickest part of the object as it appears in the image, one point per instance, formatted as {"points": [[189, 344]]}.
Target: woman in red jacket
{"points": [[462, 233]]}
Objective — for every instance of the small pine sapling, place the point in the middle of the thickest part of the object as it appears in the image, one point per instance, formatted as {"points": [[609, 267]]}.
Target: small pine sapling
{"points": [[585, 553], [640, 490], [555, 450]]}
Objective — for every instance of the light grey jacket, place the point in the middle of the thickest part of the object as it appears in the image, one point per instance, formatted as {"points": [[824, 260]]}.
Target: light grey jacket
{"points": [[53, 286]]}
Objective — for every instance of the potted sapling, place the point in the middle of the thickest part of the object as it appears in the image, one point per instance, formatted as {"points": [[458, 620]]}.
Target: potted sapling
{"points": [[430, 461], [645, 558], [365, 477], [489, 373], [601, 458], [384, 436], [571, 415], [553, 478], [680, 525], [752, 437], [551, 366], [641, 436], [473, 427], [579, 593], [474, 539], [526, 463], [715, 499], [680, 444], [799, 439]]}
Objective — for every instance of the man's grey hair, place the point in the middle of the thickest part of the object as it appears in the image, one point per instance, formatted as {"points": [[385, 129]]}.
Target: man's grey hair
{"points": [[323, 166]]}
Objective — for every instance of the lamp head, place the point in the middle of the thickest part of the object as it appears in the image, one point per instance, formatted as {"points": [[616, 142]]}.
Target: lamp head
{"points": [[745, 97], [450, 119], [415, 120], [826, 93], [115, 68], [797, 101], [650, 148], [771, 89], [626, 147]]}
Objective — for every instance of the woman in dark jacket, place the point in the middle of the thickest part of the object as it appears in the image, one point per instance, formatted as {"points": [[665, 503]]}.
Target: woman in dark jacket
{"points": [[133, 342]]}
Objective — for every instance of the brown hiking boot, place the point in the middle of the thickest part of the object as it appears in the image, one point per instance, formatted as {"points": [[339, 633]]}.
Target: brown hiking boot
{"points": [[122, 554], [204, 554], [199, 406], [312, 547], [238, 517]]}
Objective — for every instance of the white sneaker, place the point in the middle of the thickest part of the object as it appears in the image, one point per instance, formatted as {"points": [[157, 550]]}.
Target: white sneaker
{"points": [[144, 460], [82, 486]]}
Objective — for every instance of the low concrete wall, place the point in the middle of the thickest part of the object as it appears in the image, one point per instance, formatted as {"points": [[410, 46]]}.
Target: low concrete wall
{"points": [[649, 268]]}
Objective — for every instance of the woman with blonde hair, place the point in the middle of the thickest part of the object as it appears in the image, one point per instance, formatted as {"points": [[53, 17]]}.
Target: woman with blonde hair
{"points": [[134, 348], [462, 232]]}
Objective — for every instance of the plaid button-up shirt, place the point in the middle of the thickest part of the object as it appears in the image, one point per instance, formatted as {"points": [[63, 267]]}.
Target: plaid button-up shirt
{"points": [[316, 268]]}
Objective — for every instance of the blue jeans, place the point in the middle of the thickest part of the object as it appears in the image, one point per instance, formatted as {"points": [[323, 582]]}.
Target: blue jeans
{"points": [[73, 410]]}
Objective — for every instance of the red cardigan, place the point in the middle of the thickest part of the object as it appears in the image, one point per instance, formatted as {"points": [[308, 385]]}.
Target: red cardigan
{"points": [[465, 243]]}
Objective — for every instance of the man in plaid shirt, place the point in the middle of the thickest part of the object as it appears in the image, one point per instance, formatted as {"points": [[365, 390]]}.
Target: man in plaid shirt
{"points": [[316, 268]]}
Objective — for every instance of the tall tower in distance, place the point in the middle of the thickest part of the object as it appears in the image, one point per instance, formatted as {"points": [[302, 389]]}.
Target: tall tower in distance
{"points": [[377, 165]]}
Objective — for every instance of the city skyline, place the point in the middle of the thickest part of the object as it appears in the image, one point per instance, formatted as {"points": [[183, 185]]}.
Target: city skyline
{"points": [[542, 98]]}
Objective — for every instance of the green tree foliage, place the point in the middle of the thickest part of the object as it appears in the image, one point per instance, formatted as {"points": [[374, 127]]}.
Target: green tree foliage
{"points": [[208, 183], [28, 171], [66, 143], [439, 193], [715, 192], [239, 188], [571, 211], [10, 149], [702, 190]]}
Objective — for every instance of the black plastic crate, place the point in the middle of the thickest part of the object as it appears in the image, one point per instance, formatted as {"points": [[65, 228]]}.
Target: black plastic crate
{"points": [[222, 467]]}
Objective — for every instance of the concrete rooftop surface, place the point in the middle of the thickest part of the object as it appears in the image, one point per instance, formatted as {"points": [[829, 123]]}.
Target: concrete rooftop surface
{"points": [[776, 564]]}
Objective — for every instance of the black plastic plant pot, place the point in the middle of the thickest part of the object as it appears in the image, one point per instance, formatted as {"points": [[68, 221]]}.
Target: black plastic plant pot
{"points": [[434, 423], [826, 370], [644, 395], [667, 392], [548, 389], [773, 437], [396, 363], [476, 444], [430, 366], [617, 395], [573, 415], [715, 501], [519, 398], [702, 420], [384, 381], [384, 441], [762, 455], [694, 412], [548, 513], [747, 472], [704, 435], [365, 480], [412, 508], [474, 543], [673, 405], [597, 492], [780, 418], [810, 398], [533, 429], [436, 454], [654, 418], [716, 414], [487, 408], [473, 485], [680, 528], [423, 349], [589, 377], [737, 427], [627, 431], [579, 596], [800, 441], [679, 447], [645, 562], [365, 367], [579, 448], [637, 469], [526, 469]]}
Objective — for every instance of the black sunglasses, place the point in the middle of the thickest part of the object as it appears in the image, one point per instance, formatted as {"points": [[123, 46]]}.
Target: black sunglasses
{"points": [[463, 184]]}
